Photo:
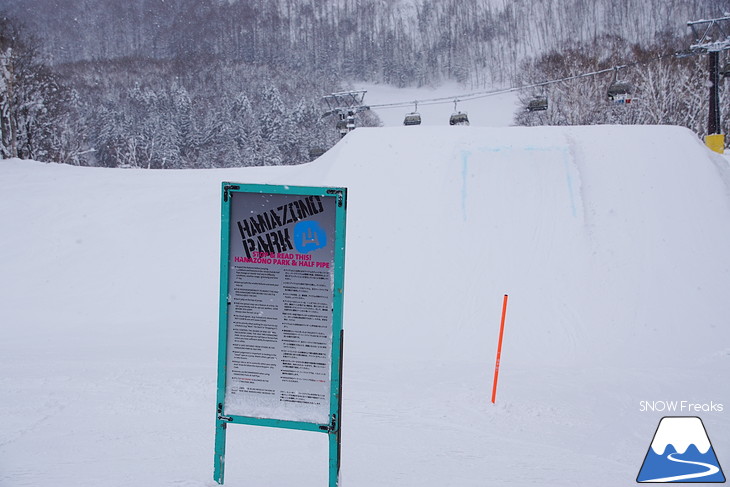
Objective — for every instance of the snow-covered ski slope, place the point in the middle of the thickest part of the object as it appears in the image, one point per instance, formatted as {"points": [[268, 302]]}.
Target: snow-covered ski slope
{"points": [[613, 244]]}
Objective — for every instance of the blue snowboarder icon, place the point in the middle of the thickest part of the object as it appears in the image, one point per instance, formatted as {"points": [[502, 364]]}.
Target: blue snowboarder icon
{"points": [[309, 236]]}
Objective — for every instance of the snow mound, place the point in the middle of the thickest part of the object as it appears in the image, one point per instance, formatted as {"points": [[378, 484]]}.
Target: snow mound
{"points": [[610, 241]]}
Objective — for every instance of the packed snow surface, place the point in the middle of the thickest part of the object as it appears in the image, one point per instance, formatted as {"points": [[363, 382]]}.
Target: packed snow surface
{"points": [[611, 242]]}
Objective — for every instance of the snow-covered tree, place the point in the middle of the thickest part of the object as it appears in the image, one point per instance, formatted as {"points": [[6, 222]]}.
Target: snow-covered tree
{"points": [[666, 89], [33, 103]]}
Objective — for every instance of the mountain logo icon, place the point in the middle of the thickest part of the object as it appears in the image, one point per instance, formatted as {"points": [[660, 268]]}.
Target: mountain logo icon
{"points": [[680, 452]]}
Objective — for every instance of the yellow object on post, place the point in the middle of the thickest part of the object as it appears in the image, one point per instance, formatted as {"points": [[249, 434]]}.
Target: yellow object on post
{"points": [[715, 142]]}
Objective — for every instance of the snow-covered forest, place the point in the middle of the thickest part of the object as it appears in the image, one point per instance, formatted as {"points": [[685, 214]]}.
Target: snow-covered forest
{"points": [[200, 83], [667, 89]]}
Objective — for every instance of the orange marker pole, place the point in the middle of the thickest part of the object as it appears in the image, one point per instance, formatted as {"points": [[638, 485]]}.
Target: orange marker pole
{"points": [[499, 349]]}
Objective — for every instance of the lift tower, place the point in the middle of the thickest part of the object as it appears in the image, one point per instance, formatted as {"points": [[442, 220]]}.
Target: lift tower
{"points": [[345, 105], [711, 37]]}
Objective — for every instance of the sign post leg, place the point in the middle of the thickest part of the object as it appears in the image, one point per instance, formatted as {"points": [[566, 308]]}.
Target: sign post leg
{"points": [[220, 451], [334, 447]]}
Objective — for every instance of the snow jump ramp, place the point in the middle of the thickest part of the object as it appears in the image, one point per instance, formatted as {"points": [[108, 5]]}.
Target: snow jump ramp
{"points": [[611, 240]]}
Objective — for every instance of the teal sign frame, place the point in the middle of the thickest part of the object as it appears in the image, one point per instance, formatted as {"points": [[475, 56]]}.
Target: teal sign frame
{"points": [[318, 212]]}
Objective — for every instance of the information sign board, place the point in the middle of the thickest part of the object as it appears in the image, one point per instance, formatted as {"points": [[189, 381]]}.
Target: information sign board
{"points": [[280, 331]]}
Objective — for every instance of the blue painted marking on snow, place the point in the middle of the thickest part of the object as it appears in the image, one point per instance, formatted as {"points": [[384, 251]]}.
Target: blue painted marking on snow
{"points": [[554, 148], [547, 148], [465, 154], [495, 149]]}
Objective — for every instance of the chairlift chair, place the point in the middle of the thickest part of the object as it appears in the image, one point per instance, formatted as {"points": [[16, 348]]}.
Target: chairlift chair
{"points": [[315, 152], [342, 125], [413, 118], [459, 118], [620, 92], [538, 103]]}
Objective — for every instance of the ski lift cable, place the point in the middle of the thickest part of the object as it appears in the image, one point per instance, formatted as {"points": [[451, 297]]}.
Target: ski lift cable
{"points": [[483, 94]]}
